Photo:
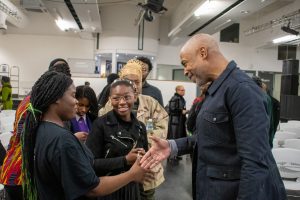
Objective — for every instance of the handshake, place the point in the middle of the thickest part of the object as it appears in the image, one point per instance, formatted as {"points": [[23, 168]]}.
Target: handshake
{"points": [[143, 161]]}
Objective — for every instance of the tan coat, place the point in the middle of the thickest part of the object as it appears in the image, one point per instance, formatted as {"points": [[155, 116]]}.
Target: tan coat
{"points": [[149, 108]]}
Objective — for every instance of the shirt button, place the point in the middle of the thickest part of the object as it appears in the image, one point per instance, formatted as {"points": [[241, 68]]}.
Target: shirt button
{"points": [[225, 175], [214, 119]]}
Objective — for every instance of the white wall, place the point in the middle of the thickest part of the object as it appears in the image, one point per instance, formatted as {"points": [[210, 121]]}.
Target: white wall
{"points": [[33, 53]]}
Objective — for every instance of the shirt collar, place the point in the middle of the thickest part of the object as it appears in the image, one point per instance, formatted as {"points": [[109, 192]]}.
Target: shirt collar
{"points": [[77, 117], [218, 82]]}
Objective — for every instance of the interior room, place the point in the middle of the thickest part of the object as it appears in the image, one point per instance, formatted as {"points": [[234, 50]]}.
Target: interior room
{"points": [[98, 37]]}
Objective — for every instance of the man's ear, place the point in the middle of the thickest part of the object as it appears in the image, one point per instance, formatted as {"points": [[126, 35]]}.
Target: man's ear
{"points": [[202, 51]]}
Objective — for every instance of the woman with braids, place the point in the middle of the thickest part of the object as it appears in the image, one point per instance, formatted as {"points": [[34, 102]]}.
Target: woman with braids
{"points": [[55, 163], [87, 111], [117, 138], [11, 176]]}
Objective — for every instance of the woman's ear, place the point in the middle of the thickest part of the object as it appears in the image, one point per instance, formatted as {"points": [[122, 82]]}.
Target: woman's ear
{"points": [[57, 101]]}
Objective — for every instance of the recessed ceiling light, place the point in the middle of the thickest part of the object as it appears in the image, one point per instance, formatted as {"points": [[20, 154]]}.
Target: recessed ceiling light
{"points": [[244, 11]]}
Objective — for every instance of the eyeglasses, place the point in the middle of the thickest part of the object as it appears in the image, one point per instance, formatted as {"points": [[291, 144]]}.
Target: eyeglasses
{"points": [[126, 98]]}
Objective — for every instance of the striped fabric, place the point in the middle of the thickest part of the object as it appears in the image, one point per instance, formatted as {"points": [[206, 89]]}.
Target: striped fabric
{"points": [[11, 168]]}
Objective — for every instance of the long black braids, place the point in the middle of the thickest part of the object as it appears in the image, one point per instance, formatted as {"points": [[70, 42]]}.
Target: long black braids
{"points": [[87, 92], [50, 87]]}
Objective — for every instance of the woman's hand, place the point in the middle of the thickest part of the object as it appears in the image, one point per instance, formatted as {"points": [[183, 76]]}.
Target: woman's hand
{"points": [[133, 154], [82, 136], [138, 173]]}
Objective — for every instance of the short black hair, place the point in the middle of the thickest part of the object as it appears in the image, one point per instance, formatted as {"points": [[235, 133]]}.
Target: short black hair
{"points": [[61, 67], [145, 60], [88, 92], [5, 79], [110, 78]]}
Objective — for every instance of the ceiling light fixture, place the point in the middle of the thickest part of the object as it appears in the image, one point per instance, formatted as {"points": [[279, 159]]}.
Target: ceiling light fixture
{"points": [[287, 38], [62, 24], [207, 7]]}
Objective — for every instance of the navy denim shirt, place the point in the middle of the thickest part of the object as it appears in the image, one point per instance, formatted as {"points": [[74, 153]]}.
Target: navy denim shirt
{"points": [[234, 157]]}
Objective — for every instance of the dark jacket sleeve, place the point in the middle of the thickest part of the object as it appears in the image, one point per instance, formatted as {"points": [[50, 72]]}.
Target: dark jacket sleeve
{"points": [[96, 144], [185, 145]]}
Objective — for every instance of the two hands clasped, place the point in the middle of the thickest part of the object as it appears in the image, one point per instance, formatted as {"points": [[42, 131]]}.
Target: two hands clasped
{"points": [[143, 161]]}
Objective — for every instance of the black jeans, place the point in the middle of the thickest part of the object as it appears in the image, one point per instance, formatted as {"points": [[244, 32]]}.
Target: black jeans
{"points": [[14, 192]]}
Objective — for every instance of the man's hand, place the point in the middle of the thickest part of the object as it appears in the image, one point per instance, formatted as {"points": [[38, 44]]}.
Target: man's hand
{"points": [[159, 151]]}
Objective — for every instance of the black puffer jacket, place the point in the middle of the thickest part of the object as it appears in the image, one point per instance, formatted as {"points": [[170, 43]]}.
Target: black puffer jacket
{"points": [[110, 143]]}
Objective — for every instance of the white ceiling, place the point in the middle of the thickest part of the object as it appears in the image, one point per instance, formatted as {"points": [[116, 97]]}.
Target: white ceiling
{"points": [[180, 15]]}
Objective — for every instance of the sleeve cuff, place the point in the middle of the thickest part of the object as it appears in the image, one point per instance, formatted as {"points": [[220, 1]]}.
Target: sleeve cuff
{"points": [[174, 149]]}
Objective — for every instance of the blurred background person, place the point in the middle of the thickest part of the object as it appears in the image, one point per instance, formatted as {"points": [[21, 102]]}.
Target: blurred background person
{"points": [[103, 96], [177, 115], [149, 89], [86, 112], [7, 102]]}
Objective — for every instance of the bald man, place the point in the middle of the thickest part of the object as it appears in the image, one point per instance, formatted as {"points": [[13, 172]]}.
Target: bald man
{"points": [[234, 158]]}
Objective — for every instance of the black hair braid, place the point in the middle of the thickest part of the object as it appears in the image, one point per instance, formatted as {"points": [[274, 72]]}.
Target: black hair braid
{"points": [[50, 87], [87, 92]]}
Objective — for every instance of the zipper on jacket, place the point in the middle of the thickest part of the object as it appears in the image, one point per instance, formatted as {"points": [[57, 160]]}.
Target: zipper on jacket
{"points": [[107, 152], [114, 138]]}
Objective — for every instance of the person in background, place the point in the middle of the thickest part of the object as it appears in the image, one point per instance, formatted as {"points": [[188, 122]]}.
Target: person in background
{"points": [[272, 129], [193, 112], [117, 138], [55, 164], [86, 112], [103, 96], [6, 93], [86, 83], [11, 175], [149, 89], [177, 115], [145, 108], [234, 156]]}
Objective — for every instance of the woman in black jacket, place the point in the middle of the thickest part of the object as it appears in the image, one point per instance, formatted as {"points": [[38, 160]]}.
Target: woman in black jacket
{"points": [[117, 138]]}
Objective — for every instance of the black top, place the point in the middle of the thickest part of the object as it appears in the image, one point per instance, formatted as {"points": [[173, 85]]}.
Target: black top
{"points": [[63, 167], [152, 91], [110, 140], [176, 128]]}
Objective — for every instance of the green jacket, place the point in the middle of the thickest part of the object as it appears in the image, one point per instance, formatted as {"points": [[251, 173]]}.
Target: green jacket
{"points": [[7, 96]]}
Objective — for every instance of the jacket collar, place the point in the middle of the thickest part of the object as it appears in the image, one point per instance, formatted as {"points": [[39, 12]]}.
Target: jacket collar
{"points": [[146, 84], [111, 119], [218, 82]]}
